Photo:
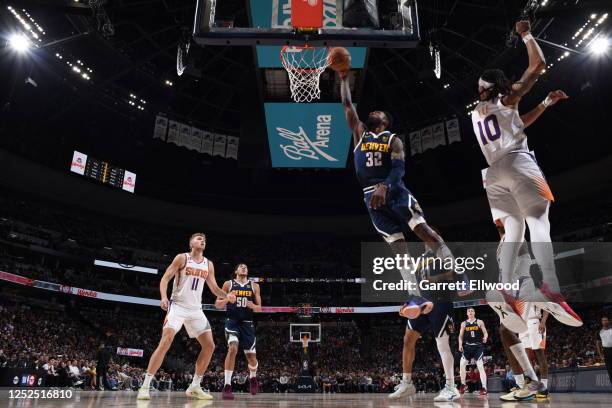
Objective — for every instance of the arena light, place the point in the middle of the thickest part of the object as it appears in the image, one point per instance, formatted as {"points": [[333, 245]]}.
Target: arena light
{"points": [[599, 46], [19, 43], [169, 83]]}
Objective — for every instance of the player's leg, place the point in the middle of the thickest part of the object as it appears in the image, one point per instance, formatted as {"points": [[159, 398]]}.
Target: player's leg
{"points": [[463, 362], [199, 328], [406, 387], [441, 324], [483, 373], [249, 341], [517, 349], [507, 339], [232, 338]]}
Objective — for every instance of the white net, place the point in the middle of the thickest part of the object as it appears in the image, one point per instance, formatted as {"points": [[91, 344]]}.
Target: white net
{"points": [[304, 66]]}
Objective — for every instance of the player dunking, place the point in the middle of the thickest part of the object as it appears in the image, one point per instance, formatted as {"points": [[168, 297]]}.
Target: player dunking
{"points": [[472, 337], [190, 272], [239, 328], [380, 167], [516, 188]]}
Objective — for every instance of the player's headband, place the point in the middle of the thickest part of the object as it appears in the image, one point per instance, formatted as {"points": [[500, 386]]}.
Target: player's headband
{"points": [[485, 84]]}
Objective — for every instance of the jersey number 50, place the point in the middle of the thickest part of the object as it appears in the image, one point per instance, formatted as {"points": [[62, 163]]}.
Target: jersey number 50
{"points": [[492, 134], [241, 301], [373, 159]]}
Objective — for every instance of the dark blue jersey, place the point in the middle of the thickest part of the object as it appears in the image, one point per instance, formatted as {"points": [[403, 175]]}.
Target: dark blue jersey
{"points": [[373, 157], [473, 333], [239, 311]]}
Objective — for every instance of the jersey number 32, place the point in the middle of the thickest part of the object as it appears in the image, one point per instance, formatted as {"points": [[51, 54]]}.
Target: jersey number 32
{"points": [[373, 159]]}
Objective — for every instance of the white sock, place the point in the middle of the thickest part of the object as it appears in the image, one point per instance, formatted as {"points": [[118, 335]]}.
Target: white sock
{"points": [[483, 374], [520, 380], [521, 356], [541, 246], [253, 370], [545, 382], [448, 361], [147, 380], [462, 372], [228, 377], [407, 377], [196, 380]]}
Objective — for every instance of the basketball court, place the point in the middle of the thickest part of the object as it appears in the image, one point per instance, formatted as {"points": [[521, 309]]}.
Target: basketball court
{"points": [[177, 399]]}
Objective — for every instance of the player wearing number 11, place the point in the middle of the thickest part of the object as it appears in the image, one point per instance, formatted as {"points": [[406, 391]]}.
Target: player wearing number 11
{"points": [[516, 188]]}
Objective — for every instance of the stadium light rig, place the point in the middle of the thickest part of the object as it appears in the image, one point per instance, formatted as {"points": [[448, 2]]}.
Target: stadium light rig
{"points": [[599, 46], [19, 43], [28, 24]]}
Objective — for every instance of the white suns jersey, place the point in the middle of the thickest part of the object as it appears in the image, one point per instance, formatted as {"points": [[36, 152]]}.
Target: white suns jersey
{"points": [[189, 283], [499, 130], [534, 312]]}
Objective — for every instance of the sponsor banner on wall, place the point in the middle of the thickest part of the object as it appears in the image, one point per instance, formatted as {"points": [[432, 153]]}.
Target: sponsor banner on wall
{"points": [[219, 147], [277, 14], [438, 135], [232, 147], [207, 143], [173, 132], [131, 352], [125, 267], [452, 128], [307, 134], [129, 181], [79, 160], [161, 127]]}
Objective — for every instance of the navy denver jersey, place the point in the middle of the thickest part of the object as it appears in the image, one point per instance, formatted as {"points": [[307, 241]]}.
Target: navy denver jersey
{"points": [[239, 311], [472, 334], [373, 157]]}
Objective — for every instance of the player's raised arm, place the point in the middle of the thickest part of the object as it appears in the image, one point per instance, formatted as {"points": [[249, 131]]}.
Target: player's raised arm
{"points": [[220, 302], [356, 126], [461, 331], [536, 64], [552, 98], [256, 305], [177, 263], [485, 334], [542, 326], [212, 284]]}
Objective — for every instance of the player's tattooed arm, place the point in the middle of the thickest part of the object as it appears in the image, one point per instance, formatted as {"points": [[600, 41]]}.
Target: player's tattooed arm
{"points": [[356, 126], [220, 302], [214, 288], [256, 306], [461, 331], [177, 263], [396, 174], [537, 63], [485, 334]]}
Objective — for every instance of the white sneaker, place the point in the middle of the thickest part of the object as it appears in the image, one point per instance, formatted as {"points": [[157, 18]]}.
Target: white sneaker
{"points": [[195, 391], [447, 394], [511, 396], [507, 315], [143, 393], [529, 391], [403, 389]]}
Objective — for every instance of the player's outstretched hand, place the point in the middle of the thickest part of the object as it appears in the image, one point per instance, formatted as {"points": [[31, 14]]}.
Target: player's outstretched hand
{"points": [[379, 197], [250, 305], [556, 96], [522, 27], [164, 304], [231, 297]]}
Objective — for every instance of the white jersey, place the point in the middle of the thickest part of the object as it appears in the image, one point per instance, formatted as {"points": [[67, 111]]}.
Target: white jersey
{"points": [[189, 283], [499, 130]]}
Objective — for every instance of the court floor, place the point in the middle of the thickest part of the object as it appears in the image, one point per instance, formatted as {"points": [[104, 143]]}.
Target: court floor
{"points": [[120, 399]]}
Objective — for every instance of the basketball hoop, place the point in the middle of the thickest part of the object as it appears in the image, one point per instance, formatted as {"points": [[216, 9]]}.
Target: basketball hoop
{"points": [[304, 65]]}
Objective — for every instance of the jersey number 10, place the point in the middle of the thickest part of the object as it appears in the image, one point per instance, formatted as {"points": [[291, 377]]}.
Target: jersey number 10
{"points": [[373, 159], [492, 134]]}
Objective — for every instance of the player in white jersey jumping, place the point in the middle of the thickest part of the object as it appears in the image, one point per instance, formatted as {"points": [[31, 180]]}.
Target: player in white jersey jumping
{"points": [[516, 188], [190, 272]]}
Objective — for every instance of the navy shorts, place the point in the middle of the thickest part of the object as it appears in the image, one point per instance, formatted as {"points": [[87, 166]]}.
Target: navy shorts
{"points": [[473, 352], [242, 332], [439, 320], [400, 213]]}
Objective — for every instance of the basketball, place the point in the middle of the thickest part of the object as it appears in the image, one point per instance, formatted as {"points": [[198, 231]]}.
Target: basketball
{"points": [[339, 59]]}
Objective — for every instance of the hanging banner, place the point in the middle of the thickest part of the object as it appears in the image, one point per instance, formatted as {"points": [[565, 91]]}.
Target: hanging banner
{"points": [[78, 163], [185, 135], [196, 139], [207, 143], [129, 181], [161, 126], [415, 142], [173, 132], [452, 128], [219, 147], [232, 147], [438, 135], [427, 138]]}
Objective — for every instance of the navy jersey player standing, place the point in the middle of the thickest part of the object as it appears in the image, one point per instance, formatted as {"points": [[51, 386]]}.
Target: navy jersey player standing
{"points": [[239, 327], [380, 167]]}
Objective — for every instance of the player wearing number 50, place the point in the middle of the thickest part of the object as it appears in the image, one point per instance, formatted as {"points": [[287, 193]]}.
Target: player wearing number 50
{"points": [[239, 328], [516, 188], [190, 271]]}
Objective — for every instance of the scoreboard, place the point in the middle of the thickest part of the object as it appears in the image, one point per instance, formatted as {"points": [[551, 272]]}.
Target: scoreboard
{"points": [[103, 172]]}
